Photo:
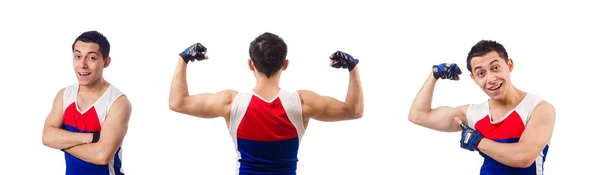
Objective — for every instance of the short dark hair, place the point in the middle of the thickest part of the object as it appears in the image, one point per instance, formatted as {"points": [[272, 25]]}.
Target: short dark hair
{"points": [[483, 47], [268, 53], [94, 37]]}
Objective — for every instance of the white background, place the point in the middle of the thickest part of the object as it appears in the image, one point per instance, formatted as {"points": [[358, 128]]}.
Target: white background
{"points": [[553, 45]]}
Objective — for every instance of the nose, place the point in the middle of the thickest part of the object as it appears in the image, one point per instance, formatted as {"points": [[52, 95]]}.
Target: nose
{"points": [[492, 79], [82, 63]]}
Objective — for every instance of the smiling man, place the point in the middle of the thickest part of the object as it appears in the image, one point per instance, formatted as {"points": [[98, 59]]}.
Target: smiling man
{"points": [[511, 130], [89, 119]]}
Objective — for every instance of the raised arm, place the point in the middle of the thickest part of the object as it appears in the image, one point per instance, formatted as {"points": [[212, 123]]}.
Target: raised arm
{"points": [[439, 118], [325, 108], [112, 134], [204, 105], [535, 138], [53, 135]]}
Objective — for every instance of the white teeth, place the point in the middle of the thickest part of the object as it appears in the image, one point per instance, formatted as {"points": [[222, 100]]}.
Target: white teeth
{"points": [[84, 73], [496, 87]]}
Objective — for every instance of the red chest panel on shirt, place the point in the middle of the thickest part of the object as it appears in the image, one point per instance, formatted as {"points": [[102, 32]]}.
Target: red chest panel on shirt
{"points": [[511, 127], [86, 122], [266, 121]]}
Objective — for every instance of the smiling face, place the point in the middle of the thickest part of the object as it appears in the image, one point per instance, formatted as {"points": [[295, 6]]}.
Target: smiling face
{"points": [[492, 73], [88, 62]]}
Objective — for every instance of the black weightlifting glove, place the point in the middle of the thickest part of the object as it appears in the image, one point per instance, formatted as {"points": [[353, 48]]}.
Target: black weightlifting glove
{"points": [[449, 71], [343, 60], [470, 138], [96, 137], [193, 53]]}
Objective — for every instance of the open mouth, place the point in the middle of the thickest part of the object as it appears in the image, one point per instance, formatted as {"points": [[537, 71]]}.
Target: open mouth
{"points": [[495, 87], [84, 73]]}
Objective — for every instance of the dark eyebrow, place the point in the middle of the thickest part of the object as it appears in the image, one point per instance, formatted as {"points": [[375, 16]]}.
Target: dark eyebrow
{"points": [[479, 67], [494, 61], [90, 52]]}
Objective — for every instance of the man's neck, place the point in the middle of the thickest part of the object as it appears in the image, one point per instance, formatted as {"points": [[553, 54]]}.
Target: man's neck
{"points": [[97, 87], [513, 97], [267, 87]]}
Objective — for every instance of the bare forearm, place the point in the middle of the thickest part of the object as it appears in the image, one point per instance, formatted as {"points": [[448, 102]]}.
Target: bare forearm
{"points": [[179, 89], [60, 139], [354, 96], [509, 154], [95, 153], [422, 102]]}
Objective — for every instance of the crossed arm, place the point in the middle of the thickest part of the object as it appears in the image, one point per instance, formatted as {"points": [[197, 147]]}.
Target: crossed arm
{"points": [[114, 129], [113, 132], [54, 136], [536, 136]]}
